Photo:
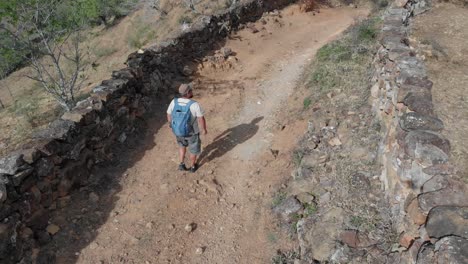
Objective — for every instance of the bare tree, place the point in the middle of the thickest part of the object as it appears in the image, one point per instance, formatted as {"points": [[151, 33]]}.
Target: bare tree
{"points": [[52, 47]]}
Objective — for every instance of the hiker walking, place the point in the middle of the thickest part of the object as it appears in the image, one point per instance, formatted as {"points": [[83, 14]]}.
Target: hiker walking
{"points": [[186, 118]]}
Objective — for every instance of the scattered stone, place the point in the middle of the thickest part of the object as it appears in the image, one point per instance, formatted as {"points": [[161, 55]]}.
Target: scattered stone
{"points": [[149, 225], [318, 235], [416, 121], [53, 229], [334, 142], [190, 227], [325, 198], [350, 238], [288, 207], [448, 220], [226, 52], [200, 250], [305, 198], [93, 246]]}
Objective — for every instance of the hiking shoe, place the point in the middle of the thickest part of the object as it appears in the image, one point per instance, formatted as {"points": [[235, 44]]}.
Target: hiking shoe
{"points": [[182, 167], [194, 168]]}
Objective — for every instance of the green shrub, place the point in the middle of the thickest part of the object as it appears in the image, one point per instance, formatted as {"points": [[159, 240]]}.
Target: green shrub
{"points": [[336, 51], [307, 102]]}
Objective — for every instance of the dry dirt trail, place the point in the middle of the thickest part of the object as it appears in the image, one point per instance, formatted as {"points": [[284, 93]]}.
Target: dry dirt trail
{"points": [[247, 155]]}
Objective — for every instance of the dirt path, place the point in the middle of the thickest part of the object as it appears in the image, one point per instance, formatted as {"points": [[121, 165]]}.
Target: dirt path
{"points": [[252, 131]]}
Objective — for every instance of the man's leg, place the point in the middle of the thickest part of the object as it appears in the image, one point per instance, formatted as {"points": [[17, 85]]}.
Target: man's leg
{"points": [[193, 159], [194, 149], [182, 151]]}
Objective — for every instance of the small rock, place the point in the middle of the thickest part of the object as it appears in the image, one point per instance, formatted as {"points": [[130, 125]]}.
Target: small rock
{"points": [[149, 225], [305, 198], [190, 227], [200, 250], [325, 198], [93, 245], [415, 213], [53, 229], [288, 208], [226, 52], [334, 142], [406, 240], [350, 238]]}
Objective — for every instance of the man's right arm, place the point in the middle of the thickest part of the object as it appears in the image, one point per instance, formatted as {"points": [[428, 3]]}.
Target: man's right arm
{"points": [[202, 124]]}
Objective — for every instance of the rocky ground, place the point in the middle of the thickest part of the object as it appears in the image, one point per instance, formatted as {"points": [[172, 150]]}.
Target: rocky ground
{"points": [[335, 205]]}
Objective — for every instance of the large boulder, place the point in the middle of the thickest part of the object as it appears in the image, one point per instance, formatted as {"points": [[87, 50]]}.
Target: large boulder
{"points": [[11, 164], [453, 195], [447, 220], [417, 121], [415, 137], [318, 235], [448, 250]]}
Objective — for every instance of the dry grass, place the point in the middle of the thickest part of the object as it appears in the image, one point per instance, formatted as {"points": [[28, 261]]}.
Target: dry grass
{"points": [[107, 48]]}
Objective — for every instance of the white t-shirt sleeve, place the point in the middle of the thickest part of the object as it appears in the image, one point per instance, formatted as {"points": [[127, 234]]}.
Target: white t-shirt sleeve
{"points": [[170, 108], [197, 110]]}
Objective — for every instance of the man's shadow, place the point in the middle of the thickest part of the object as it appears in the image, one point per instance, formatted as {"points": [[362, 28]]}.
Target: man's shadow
{"points": [[227, 140]]}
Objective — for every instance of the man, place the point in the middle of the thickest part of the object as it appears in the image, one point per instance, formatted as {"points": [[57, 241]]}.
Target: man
{"points": [[197, 122]]}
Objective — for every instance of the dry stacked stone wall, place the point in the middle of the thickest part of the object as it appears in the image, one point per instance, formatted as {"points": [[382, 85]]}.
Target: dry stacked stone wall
{"points": [[39, 177], [429, 205]]}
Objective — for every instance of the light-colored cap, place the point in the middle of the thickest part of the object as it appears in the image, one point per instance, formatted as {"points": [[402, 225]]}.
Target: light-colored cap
{"points": [[185, 88]]}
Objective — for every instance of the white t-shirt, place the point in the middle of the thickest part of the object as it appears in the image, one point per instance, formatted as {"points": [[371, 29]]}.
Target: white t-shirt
{"points": [[195, 110]]}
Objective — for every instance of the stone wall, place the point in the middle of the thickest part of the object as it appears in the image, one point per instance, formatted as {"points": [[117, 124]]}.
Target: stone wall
{"points": [[429, 205], [38, 178]]}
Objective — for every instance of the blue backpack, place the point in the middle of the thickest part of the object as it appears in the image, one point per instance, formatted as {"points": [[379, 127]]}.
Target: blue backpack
{"points": [[181, 116]]}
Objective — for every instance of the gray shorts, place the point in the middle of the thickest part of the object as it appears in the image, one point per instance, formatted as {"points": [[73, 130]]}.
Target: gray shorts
{"points": [[193, 143]]}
